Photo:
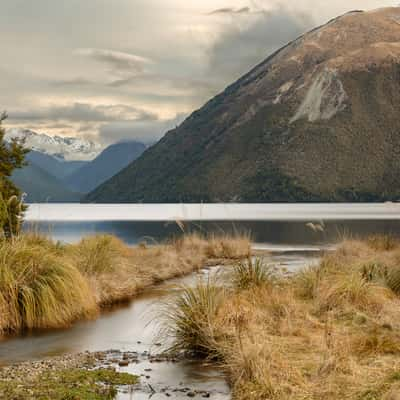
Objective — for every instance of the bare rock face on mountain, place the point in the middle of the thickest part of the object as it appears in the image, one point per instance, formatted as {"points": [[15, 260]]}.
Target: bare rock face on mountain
{"points": [[317, 120]]}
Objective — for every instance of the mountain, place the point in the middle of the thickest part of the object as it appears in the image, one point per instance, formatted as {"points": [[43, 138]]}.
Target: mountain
{"points": [[112, 160], [318, 120], [59, 169], [61, 148], [40, 186]]}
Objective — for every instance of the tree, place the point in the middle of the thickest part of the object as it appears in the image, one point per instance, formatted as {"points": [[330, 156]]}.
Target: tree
{"points": [[12, 156]]}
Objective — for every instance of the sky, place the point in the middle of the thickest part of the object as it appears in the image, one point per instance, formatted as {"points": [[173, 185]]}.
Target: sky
{"points": [[112, 70]]}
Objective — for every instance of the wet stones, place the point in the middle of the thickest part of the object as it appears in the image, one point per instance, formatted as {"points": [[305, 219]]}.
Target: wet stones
{"points": [[113, 360]]}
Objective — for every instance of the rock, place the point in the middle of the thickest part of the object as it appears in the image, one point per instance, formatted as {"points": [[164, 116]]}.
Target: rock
{"points": [[190, 394], [123, 363]]}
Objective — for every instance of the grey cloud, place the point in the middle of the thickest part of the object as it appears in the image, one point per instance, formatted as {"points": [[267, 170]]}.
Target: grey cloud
{"points": [[230, 10], [79, 112], [119, 62], [59, 126], [72, 82], [238, 49]]}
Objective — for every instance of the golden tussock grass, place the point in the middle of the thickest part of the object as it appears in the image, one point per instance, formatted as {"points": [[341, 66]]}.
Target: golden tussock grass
{"points": [[326, 332], [49, 285]]}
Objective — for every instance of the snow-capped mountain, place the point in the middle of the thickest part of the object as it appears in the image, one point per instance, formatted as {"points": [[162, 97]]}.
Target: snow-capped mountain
{"points": [[61, 148]]}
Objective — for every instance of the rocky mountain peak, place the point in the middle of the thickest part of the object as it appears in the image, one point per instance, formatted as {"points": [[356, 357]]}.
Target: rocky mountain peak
{"points": [[61, 148]]}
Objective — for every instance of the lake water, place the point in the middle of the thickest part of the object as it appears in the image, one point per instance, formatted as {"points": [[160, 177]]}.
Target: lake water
{"points": [[270, 225]]}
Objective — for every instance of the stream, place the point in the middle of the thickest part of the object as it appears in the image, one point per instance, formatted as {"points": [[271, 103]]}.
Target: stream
{"points": [[134, 328]]}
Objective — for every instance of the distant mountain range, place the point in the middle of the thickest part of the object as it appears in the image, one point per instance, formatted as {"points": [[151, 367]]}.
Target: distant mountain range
{"points": [[42, 187], [112, 160], [57, 168], [318, 120], [61, 148], [64, 169]]}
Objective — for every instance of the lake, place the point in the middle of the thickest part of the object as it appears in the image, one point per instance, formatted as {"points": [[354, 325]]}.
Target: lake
{"points": [[271, 225]]}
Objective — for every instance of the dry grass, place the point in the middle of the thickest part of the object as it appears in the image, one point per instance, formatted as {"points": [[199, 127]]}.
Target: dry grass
{"points": [[251, 273], [327, 332], [39, 287], [48, 285], [190, 320]]}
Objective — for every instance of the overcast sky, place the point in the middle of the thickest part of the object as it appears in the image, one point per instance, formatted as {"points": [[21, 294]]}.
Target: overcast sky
{"points": [[117, 69]]}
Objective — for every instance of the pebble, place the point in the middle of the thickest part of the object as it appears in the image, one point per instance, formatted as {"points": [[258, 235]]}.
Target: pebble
{"points": [[104, 359]]}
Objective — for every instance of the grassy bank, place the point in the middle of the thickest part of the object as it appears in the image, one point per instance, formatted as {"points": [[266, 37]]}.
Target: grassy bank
{"points": [[326, 332], [44, 284]]}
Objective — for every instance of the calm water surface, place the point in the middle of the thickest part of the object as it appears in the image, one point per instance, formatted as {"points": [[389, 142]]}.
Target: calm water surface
{"points": [[269, 224]]}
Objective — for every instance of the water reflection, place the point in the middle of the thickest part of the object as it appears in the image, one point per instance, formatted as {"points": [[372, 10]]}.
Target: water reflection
{"points": [[262, 232]]}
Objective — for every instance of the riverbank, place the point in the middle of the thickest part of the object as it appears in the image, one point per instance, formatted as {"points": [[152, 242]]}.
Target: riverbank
{"points": [[330, 331], [44, 284], [81, 376]]}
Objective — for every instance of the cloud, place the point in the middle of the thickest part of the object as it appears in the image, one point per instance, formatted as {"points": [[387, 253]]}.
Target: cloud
{"points": [[119, 63], [243, 44], [161, 58], [82, 112], [230, 10], [143, 131], [72, 82]]}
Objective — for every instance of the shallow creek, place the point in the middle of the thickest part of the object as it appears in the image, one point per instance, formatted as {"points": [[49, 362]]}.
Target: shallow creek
{"points": [[134, 328]]}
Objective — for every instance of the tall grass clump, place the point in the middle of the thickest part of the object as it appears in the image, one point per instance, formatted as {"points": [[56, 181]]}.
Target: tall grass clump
{"points": [[252, 272], [385, 242], [98, 254], [307, 282], [40, 289], [190, 319], [237, 246]]}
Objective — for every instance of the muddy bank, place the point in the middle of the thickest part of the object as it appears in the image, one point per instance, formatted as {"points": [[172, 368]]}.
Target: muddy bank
{"points": [[81, 376]]}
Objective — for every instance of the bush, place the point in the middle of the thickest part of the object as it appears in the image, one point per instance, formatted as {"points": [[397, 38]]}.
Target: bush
{"points": [[12, 156]]}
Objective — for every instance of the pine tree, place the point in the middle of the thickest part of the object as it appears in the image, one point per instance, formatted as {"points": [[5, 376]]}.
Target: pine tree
{"points": [[12, 156]]}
